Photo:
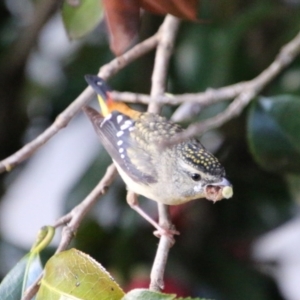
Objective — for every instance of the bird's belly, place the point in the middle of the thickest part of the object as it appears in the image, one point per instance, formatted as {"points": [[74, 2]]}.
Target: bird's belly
{"points": [[163, 194], [140, 189]]}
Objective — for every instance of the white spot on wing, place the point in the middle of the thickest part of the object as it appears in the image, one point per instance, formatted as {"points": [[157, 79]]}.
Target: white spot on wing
{"points": [[121, 150], [107, 118], [125, 125], [120, 142], [119, 119], [120, 133]]}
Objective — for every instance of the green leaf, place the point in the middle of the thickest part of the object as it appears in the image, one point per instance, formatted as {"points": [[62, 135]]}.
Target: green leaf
{"points": [[27, 269], [273, 133], [44, 237], [144, 294], [81, 16], [74, 275], [11, 285]]}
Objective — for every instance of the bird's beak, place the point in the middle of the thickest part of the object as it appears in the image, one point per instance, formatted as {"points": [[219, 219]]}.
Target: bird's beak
{"points": [[219, 190], [223, 182]]}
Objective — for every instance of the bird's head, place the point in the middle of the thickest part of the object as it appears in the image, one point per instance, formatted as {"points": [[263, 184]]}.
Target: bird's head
{"points": [[203, 174]]}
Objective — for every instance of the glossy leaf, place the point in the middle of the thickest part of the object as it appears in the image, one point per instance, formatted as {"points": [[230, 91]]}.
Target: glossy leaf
{"points": [[27, 270], [273, 133], [81, 16], [74, 275], [123, 17], [11, 286], [185, 9], [144, 294]]}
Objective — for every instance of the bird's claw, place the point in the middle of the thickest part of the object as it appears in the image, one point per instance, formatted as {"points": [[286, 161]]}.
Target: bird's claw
{"points": [[169, 233]]}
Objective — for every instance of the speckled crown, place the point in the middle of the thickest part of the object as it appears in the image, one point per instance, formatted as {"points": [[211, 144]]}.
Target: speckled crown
{"points": [[198, 157]]}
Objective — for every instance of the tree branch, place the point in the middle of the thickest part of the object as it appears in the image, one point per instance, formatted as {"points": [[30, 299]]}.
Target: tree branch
{"points": [[75, 216], [73, 219], [250, 90], [242, 91], [209, 97], [164, 50], [64, 118]]}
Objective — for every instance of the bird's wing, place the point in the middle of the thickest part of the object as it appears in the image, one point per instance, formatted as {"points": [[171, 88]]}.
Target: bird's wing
{"points": [[114, 132]]}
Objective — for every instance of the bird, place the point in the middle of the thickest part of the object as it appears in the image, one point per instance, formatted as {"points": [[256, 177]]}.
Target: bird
{"points": [[170, 175]]}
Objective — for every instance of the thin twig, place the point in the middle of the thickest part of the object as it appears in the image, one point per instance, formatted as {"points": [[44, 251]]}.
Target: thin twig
{"points": [[251, 89], [75, 216], [212, 96], [64, 118], [131, 55], [164, 50], [32, 290], [209, 97], [73, 219]]}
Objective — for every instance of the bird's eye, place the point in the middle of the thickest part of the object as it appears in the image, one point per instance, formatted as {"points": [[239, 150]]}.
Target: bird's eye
{"points": [[196, 177]]}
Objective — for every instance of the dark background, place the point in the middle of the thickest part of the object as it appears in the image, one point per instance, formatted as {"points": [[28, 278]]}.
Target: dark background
{"points": [[220, 253]]}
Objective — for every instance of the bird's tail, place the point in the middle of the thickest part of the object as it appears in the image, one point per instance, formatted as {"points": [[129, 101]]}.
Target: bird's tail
{"points": [[107, 104]]}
